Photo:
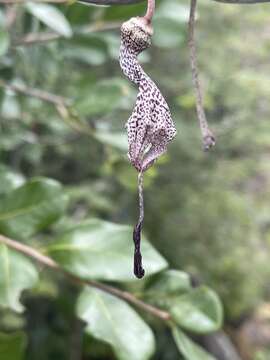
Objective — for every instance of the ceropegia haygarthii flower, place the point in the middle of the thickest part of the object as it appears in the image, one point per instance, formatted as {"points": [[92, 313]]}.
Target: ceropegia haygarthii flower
{"points": [[150, 127]]}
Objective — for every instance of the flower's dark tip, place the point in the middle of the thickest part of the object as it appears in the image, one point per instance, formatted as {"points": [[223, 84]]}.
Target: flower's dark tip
{"points": [[139, 274], [138, 269], [209, 141]]}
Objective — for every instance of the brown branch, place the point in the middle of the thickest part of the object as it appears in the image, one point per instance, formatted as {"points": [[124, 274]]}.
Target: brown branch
{"points": [[36, 93], [61, 104], [49, 262], [34, 38], [44, 37], [208, 137]]}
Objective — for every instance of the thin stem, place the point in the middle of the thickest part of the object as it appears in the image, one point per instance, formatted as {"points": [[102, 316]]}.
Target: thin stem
{"points": [[49, 262], [208, 137], [44, 37], [61, 104], [141, 201], [36, 93], [150, 11]]}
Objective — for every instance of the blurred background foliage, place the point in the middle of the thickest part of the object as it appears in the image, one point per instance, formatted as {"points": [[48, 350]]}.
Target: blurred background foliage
{"points": [[206, 213]]}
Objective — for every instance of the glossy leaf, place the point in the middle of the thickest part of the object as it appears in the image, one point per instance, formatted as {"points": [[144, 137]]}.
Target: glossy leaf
{"points": [[173, 10], [171, 282], [164, 289], [188, 348], [103, 250], [50, 16], [199, 311], [9, 180], [31, 207], [89, 55], [10, 108], [102, 97], [117, 139], [12, 346], [168, 284], [115, 322], [168, 33], [17, 273]]}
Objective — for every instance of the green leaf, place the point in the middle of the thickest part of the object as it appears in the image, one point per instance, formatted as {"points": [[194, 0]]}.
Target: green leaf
{"points": [[9, 180], [102, 250], [50, 16], [115, 322], [12, 346], [90, 56], [31, 207], [199, 311], [10, 108], [173, 10], [17, 273], [114, 139], [4, 42], [188, 348], [168, 33], [168, 23], [170, 282], [164, 289], [103, 97]]}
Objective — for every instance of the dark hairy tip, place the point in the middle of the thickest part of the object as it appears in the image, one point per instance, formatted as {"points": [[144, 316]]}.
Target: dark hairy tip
{"points": [[209, 141], [138, 269]]}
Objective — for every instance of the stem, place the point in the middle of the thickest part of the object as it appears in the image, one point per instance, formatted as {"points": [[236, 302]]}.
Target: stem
{"points": [[44, 37], [150, 11], [36, 93], [141, 202], [208, 138], [61, 104], [49, 262]]}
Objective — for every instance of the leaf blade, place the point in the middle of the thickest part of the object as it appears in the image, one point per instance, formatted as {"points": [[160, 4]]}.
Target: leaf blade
{"points": [[50, 16], [188, 348], [17, 273], [12, 346], [199, 311], [115, 322], [31, 207], [102, 250]]}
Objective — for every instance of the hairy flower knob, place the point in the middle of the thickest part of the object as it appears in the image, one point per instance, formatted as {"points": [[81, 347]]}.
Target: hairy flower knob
{"points": [[136, 33]]}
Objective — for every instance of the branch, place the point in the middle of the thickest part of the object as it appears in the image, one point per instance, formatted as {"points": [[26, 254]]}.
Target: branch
{"points": [[111, 2], [49, 262], [61, 104], [43, 37], [208, 138], [36, 93]]}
